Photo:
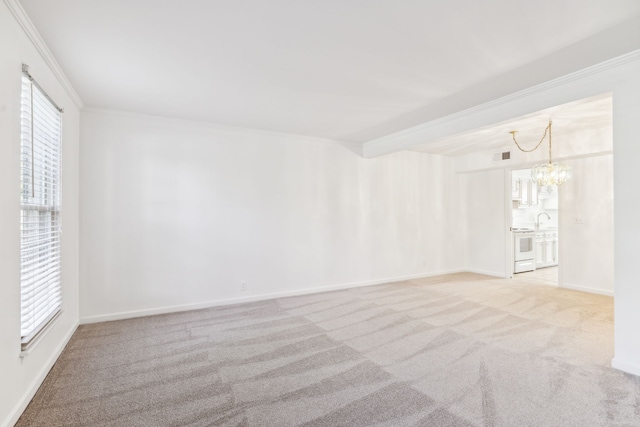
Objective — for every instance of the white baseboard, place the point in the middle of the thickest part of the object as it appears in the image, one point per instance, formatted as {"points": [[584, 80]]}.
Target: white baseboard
{"points": [[585, 289], [251, 298], [14, 415], [625, 367]]}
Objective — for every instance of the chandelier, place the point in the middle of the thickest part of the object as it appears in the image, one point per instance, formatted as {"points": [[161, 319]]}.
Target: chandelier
{"points": [[546, 173]]}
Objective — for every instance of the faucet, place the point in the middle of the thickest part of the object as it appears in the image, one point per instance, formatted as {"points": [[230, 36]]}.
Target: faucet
{"points": [[538, 219]]}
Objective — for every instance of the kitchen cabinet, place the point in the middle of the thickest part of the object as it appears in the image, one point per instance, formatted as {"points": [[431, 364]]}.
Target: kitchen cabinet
{"points": [[546, 244], [539, 243], [516, 189], [549, 258], [533, 193], [525, 191]]}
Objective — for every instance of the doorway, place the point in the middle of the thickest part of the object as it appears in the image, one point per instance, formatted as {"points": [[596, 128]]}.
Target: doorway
{"points": [[535, 214]]}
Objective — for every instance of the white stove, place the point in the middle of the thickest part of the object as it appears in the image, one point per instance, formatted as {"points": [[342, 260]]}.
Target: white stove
{"points": [[524, 255]]}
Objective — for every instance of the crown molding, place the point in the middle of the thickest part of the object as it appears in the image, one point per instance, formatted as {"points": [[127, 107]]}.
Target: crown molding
{"points": [[30, 30], [415, 135]]}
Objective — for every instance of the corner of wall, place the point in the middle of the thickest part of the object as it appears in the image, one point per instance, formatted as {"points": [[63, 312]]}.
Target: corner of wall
{"points": [[35, 384], [623, 366]]}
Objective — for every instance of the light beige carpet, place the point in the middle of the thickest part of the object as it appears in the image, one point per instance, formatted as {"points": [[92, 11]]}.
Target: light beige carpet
{"points": [[456, 350]]}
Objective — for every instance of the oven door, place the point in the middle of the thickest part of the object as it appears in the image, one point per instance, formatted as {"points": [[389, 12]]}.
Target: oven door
{"points": [[524, 249]]}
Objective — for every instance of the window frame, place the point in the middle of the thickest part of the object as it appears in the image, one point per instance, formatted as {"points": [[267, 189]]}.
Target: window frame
{"points": [[41, 298]]}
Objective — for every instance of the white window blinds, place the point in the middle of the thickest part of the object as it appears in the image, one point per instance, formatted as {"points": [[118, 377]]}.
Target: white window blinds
{"points": [[41, 137]]}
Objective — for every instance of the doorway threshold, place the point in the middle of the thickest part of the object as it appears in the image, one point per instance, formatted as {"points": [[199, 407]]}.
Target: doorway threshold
{"points": [[541, 276]]}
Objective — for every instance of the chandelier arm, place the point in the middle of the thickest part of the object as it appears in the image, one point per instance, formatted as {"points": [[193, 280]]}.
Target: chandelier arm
{"points": [[548, 128]]}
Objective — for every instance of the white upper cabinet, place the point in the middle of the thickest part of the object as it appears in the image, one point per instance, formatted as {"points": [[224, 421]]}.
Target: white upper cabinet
{"points": [[525, 191]]}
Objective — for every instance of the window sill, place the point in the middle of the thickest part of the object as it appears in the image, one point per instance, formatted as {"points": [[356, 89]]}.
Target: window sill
{"points": [[28, 348]]}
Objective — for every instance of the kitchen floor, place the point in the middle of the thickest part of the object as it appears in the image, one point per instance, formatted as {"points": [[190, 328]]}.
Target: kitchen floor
{"points": [[541, 276]]}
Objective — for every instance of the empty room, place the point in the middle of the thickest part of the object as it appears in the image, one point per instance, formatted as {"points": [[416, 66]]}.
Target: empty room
{"points": [[319, 213]]}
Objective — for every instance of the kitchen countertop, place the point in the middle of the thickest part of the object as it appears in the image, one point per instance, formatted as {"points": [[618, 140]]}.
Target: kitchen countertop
{"points": [[522, 230]]}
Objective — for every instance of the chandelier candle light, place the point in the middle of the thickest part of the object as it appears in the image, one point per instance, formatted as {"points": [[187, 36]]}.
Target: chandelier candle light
{"points": [[546, 173]]}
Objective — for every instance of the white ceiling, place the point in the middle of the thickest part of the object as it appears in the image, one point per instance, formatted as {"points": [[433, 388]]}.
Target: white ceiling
{"points": [[344, 69]]}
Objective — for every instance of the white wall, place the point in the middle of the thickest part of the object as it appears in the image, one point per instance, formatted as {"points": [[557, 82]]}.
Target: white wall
{"points": [[586, 227], [177, 214], [20, 378], [486, 222], [626, 155]]}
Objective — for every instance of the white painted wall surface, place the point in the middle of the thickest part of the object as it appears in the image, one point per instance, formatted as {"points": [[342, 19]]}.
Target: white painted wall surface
{"points": [[626, 155], [586, 227], [20, 378], [178, 214], [486, 222]]}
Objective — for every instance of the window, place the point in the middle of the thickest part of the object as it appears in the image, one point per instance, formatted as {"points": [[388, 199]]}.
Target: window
{"points": [[41, 137]]}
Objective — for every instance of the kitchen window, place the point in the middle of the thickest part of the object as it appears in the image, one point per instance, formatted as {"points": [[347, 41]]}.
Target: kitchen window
{"points": [[40, 202]]}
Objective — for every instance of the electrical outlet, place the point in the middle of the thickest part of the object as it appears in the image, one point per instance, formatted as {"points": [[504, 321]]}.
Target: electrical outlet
{"points": [[243, 286], [578, 220]]}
